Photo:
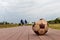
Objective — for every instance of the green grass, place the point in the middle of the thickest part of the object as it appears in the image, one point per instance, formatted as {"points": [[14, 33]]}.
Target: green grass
{"points": [[8, 25], [54, 26]]}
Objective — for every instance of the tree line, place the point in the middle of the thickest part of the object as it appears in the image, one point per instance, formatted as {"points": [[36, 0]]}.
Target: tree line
{"points": [[1, 23], [55, 21], [24, 22]]}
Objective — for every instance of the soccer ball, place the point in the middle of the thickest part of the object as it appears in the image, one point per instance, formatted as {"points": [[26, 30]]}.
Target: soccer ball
{"points": [[40, 27]]}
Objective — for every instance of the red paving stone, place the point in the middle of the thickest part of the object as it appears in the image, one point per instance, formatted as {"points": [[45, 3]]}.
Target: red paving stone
{"points": [[26, 33]]}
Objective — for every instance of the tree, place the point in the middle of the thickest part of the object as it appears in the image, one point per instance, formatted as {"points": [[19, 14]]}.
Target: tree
{"points": [[57, 20], [25, 21], [22, 22]]}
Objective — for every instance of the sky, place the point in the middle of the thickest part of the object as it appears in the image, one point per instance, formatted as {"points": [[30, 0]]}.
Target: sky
{"points": [[31, 10]]}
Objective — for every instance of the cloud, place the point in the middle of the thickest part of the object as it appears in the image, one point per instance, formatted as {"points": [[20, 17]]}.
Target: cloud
{"points": [[29, 9]]}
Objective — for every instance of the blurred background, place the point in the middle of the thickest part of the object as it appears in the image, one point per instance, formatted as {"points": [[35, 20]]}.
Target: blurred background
{"points": [[12, 11]]}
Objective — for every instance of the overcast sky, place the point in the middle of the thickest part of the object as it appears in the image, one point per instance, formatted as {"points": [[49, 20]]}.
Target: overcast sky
{"points": [[32, 10]]}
